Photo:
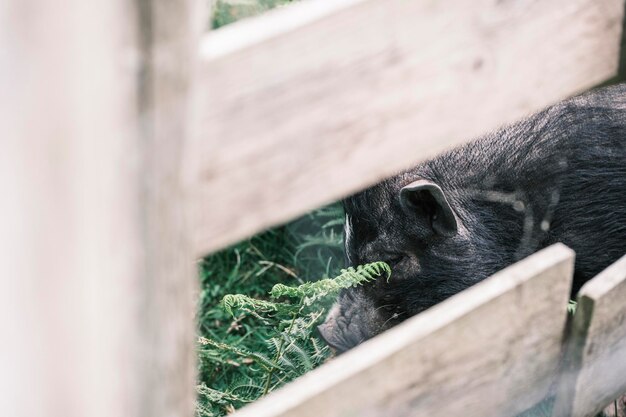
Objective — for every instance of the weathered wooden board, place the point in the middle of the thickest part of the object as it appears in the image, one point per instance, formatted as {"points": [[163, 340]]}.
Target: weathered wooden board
{"points": [[96, 305], [596, 353], [69, 243], [165, 300], [314, 101], [492, 350]]}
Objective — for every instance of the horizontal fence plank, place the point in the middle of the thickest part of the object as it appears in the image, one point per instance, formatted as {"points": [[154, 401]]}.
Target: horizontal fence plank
{"points": [[596, 366], [314, 101], [492, 350]]}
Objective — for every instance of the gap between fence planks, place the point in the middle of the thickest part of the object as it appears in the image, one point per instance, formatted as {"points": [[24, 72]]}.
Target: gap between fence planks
{"points": [[492, 350], [309, 103], [595, 373]]}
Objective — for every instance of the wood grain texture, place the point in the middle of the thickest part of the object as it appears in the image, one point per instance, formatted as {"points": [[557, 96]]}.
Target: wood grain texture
{"points": [[595, 373], [492, 350], [169, 34], [309, 103], [71, 239], [97, 277]]}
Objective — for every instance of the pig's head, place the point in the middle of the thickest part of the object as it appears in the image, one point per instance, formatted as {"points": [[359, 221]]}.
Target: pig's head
{"points": [[419, 230]]}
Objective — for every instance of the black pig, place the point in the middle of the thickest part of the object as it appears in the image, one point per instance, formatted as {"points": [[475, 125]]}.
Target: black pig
{"points": [[448, 223]]}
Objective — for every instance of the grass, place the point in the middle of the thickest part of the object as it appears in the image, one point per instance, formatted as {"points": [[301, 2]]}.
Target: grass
{"points": [[229, 11], [230, 375]]}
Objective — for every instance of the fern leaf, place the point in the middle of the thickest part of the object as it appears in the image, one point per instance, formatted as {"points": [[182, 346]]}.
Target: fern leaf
{"points": [[320, 350], [571, 306], [350, 277], [232, 302], [300, 355], [287, 364], [258, 358], [247, 388], [218, 397]]}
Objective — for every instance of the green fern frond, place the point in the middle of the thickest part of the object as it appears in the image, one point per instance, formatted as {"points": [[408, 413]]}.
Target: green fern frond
{"points": [[287, 328], [246, 388], [288, 366], [219, 397], [301, 327], [207, 410], [319, 351], [571, 306], [350, 277], [260, 359], [232, 302], [299, 355], [273, 345]]}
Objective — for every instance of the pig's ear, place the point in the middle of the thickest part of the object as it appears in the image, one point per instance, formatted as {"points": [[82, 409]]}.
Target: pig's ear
{"points": [[425, 198]]}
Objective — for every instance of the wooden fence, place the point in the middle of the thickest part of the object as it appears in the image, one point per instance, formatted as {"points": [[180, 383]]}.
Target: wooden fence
{"points": [[132, 143], [496, 349], [493, 350], [595, 370]]}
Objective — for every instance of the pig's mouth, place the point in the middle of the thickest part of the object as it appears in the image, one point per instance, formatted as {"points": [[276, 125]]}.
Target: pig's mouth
{"points": [[344, 330], [338, 340]]}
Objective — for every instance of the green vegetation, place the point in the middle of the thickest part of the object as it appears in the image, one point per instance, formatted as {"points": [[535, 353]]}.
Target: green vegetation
{"points": [[291, 347], [229, 11], [571, 307], [251, 344]]}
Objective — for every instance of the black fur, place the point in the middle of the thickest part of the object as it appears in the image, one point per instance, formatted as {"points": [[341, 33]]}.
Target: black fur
{"points": [[558, 176]]}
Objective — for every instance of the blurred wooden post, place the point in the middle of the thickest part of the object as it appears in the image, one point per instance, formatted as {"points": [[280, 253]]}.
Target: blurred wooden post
{"points": [[596, 353], [96, 306]]}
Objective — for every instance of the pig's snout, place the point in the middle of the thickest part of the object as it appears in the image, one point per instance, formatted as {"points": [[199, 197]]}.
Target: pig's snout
{"points": [[349, 323], [340, 332]]}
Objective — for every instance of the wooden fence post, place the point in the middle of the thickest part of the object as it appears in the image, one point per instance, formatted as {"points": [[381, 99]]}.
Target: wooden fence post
{"points": [[97, 275], [595, 372], [170, 33]]}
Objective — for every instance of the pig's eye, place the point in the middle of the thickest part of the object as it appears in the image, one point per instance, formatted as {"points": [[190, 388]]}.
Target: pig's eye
{"points": [[394, 259]]}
